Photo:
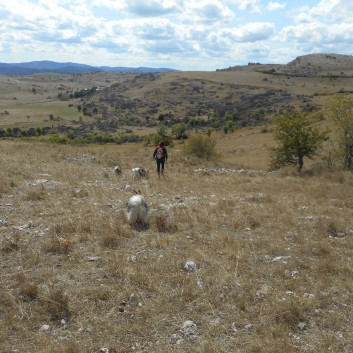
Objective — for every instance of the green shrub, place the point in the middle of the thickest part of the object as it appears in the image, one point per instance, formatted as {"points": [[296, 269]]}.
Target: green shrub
{"points": [[200, 146], [58, 139], [155, 139]]}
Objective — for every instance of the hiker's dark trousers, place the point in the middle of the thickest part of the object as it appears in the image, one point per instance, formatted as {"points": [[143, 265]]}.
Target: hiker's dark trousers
{"points": [[160, 165]]}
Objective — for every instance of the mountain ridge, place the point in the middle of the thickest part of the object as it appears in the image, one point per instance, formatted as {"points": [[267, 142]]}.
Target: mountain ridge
{"points": [[46, 66]]}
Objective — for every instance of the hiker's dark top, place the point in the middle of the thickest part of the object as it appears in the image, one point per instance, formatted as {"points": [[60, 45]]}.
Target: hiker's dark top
{"points": [[165, 153]]}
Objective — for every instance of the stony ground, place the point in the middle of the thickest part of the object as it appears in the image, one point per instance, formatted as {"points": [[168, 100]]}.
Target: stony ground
{"points": [[232, 260]]}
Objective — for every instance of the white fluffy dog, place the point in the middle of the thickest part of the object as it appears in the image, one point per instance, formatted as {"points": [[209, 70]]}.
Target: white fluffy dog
{"points": [[137, 210], [138, 173]]}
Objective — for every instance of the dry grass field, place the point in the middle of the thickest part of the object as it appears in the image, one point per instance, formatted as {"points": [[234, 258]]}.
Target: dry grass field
{"points": [[272, 252], [29, 100]]}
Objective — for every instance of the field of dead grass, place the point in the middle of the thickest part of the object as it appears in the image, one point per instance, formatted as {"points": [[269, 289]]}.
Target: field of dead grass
{"points": [[273, 254]]}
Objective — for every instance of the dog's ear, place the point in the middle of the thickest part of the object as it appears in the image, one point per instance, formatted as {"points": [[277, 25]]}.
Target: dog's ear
{"points": [[135, 192], [138, 192]]}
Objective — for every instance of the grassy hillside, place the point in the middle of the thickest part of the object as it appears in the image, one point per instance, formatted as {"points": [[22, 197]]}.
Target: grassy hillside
{"points": [[273, 252], [241, 96]]}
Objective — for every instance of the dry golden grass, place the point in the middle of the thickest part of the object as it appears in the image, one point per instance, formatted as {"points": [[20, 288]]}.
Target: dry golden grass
{"points": [[273, 253]]}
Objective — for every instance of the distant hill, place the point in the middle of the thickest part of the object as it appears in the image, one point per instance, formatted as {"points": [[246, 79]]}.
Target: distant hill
{"points": [[33, 67], [307, 65]]}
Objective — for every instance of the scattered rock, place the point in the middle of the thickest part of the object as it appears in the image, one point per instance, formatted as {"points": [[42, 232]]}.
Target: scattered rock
{"points": [[94, 258], [190, 266], [83, 159], [233, 328], [281, 258], [301, 326], [338, 234], [25, 226], [229, 171], [45, 328], [44, 182], [188, 330]]}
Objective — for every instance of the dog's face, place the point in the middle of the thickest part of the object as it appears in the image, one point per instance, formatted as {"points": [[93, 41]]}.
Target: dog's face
{"points": [[143, 172]]}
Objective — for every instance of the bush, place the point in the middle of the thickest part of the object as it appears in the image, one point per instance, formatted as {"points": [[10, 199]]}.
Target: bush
{"points": [[200, 146], [155, 139], [56, 138]]}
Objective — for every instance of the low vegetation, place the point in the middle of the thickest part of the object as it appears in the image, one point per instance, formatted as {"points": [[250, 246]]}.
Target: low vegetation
{"points": [[234, 259], [200, 146]]}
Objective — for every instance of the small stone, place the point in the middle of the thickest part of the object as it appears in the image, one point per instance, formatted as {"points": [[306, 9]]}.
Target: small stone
{"points": [[93, 258], [339, 234], [45, 328], [339, 334], [189, 326], [295, 273], [190, 266], [200, 284], [233, 327], [215, 322], [301, 326], [281, 258]]}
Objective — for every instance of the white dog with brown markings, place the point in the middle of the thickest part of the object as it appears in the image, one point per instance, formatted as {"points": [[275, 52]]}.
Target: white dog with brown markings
{"points": [[137, 209], [138, 173]]}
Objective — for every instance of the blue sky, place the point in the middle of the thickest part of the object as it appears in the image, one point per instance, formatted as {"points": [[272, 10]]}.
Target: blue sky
{"points": [[202, 35]]}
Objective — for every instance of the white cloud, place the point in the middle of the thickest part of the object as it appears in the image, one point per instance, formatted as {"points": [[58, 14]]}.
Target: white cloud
{"points": [[251, 32], [181, 33], [207, 11], [274, 6], [151, 8], [316, 32], [326, 10], [253, 6]]}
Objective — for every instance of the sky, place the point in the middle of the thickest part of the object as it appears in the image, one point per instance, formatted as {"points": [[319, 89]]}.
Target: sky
{"points": [[187, 35]]}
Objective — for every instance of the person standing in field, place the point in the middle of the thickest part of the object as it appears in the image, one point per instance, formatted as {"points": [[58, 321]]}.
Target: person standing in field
{"points": [[160, 154]]}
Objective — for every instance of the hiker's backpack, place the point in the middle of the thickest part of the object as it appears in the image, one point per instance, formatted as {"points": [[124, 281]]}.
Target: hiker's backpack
{"points": [[160, 153]]}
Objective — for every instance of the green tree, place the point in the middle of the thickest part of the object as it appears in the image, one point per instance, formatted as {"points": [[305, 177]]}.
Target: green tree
{"points": [[179, 130], [296, 139], [162, 131], [341, 110]]}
